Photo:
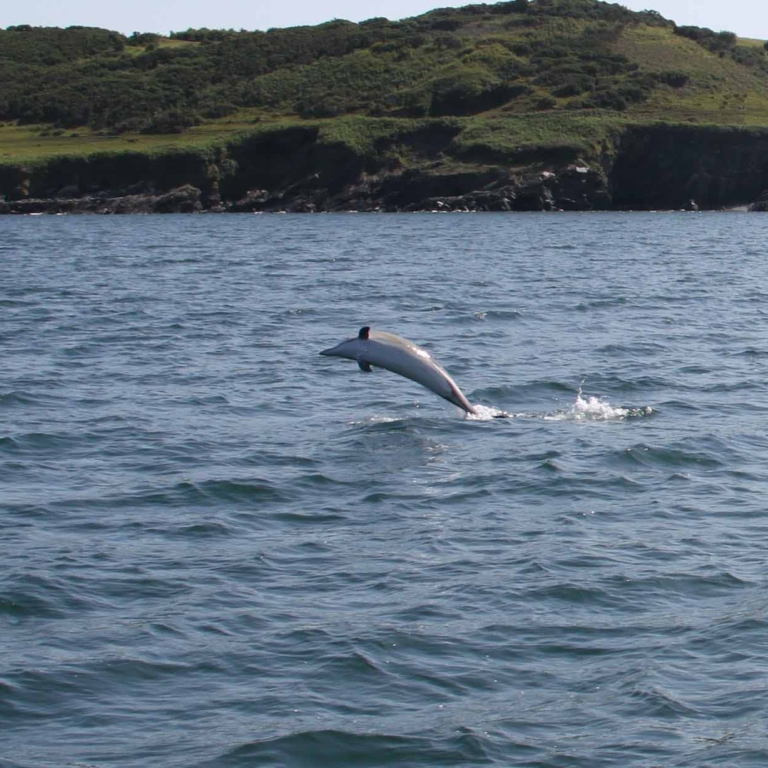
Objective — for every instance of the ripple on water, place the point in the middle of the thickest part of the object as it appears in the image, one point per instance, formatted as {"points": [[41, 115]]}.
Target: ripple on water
{"points": [[182, 495], [331, 748], [26, 596], [220, 549], [673, 457]]}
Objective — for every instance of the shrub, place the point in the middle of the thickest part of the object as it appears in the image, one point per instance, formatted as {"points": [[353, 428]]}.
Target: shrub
{"points": [[561, 74], [523, 21], [377, 22], [446, 25], [748, 56], [217, 109], [717, 42], [171, 121], [673, 78], [142, 38], [331, 106], [410, 103], [448, 42], [573, 86], [463, 91]]}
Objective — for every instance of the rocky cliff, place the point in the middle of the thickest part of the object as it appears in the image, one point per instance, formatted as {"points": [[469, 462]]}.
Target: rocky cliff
{"points": [[656, 167], [665, 166]]}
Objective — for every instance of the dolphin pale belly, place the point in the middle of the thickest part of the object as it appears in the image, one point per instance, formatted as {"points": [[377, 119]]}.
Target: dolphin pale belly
{"points": [[393, 353]]}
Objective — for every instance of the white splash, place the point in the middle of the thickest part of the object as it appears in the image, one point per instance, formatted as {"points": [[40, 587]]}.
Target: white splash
{"points": [[588, 408], [486, 413], [594, 409], [374, 420]]}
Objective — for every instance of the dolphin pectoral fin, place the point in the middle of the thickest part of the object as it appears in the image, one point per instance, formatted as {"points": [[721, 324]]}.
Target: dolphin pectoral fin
{"points": [[365, 366]]}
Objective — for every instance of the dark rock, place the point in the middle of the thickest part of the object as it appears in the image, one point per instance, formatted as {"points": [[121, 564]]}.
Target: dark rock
{"points": [[139, 188], [579, 188], [656, 167], [533, 196], [303, 206], [184, 199], [416, 187], [70, 191], [640, 167], [30, 205], [129, 204], [571, 188], [761, 204], [253, 200]]}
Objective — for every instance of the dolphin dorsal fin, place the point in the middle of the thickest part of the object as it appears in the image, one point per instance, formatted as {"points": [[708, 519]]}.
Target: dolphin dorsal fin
{"points": [[365, 332]]}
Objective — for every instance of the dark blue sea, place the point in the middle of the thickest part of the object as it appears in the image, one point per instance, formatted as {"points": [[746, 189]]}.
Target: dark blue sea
{"points": [[219, 549]]}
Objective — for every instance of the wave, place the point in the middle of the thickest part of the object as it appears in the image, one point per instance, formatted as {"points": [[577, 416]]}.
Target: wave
{"points": [[608, 303], [14, 303], [9, 445], [590, 408], [593, 408], [205, 530], [750, 353], [43, 443], [487, 413], [17, 398], [330, 747], [374, 424], [33, 596], [653, 701], [183, 494], [673, 456], [495, 314], [519, 395], [227, 490]]}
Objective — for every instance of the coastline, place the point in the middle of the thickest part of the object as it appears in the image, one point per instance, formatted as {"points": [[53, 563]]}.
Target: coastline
{"points": [[297, 170]]}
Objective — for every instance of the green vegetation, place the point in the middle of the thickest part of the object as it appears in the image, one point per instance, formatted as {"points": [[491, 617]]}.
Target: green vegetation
{"points": [[501, 81]]}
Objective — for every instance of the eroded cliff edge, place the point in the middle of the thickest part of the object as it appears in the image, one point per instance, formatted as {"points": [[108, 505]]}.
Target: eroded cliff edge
{"points": [[421, 168]]}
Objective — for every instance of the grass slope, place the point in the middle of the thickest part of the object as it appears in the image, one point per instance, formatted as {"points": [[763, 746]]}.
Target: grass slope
{"points": [[512, 79]]}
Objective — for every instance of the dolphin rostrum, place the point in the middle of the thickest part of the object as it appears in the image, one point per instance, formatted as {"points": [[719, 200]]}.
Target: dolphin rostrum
{"points": [[385, 350]]}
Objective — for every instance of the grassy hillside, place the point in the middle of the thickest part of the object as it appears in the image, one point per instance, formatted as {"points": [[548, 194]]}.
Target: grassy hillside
{"points": [[512, 76]]}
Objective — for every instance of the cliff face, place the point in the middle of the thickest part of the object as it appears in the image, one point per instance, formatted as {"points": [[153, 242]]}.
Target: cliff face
{"points": [[666, 166], [125, 174], [657, 167]]}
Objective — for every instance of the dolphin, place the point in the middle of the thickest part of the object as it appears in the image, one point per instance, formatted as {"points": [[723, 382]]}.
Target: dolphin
{"points": [[393, 353]]}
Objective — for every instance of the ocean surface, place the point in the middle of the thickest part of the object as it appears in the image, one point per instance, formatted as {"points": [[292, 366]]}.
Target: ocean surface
{"points": [[219, 549]]}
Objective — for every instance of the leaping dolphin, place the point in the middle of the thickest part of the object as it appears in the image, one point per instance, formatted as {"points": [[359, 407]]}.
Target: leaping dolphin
{"points": [[393, 353]]}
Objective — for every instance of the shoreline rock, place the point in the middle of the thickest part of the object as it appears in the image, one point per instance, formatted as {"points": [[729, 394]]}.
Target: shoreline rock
{"points": [[292, 169], [574, 187], [184, 199]]}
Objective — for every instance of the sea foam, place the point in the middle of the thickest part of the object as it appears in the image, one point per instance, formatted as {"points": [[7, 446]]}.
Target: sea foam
{"points": [[592, 408]]}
